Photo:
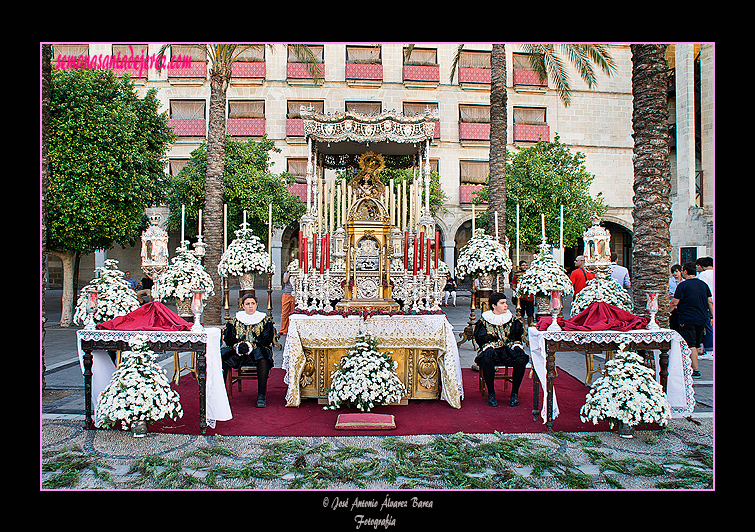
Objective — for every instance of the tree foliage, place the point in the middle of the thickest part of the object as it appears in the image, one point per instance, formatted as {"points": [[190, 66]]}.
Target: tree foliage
{"points": [[540, 179], [248, 185], [107, 153]]}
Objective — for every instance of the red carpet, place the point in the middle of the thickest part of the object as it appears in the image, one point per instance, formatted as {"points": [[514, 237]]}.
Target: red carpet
{"points": [[418, 417]]}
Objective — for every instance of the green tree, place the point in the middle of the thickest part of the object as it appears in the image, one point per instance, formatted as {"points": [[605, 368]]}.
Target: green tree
{"points": [[248, 185], [107, 151], [540, 179]]}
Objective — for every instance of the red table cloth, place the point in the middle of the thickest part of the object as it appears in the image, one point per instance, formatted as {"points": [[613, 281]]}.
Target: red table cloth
{"points": [[153, 316], [599, 316]]}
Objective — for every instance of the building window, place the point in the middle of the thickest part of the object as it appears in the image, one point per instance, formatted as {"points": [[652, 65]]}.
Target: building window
{"points": [[178, 54], [246, 118], [530, 124], [364, 108], [422, 66], [176, 165], [132, 67], [474, 122], [297, 67], [474, 67], [294, 123], [523, 74], [473, 176], [188, 117], [250, 64], [419, 108], [364, 63]]}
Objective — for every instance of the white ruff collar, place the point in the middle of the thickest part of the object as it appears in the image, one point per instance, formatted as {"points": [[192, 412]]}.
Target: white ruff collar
{"points": [[250, 319], [497, 319]]}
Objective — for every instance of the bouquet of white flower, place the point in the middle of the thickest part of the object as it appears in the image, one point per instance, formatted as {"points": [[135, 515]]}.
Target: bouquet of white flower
{"points": [[246, 254], [605, 289], [184, 274], [138, 391], [365, 378], [483, 254], [628, 393], [115, 297], [544, 274]]}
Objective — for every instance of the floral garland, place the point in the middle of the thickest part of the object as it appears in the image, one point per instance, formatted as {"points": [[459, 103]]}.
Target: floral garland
{"points": [[365, 378], [246, 254], [483, 254], [602, 288], [115, 297], [138, 391], [544, 274], [628, 393], [184, 274]]}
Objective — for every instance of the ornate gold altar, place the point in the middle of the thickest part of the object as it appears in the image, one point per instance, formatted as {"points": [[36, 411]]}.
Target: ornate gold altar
{"points": [[366, 248], [423, 346]]}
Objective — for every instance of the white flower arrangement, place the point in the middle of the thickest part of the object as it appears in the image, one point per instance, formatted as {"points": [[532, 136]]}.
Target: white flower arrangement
{"points": [[628, 393], [483, 254], [605, 289], [115, 297], [246, 254], [184, 274], [544, 274], [138, 391], [365, 378]]}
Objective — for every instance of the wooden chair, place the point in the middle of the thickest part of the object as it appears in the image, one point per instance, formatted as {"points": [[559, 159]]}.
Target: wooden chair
{"points": [[243, 373], [504, 375]]}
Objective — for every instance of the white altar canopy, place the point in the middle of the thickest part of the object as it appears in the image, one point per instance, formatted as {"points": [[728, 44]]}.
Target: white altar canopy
{"points": [[217, 406], [432, 331], [680, 395]]}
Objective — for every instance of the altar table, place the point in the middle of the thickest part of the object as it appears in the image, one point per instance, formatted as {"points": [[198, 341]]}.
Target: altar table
{"points": [[428, 332], [672, 363], [98, 368]]}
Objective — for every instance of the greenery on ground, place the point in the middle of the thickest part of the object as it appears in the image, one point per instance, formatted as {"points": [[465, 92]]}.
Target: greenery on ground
{"points": [[446, 462]]}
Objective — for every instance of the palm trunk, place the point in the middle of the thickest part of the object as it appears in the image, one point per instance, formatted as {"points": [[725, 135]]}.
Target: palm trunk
{"points": [[213, 224], [498, 137], [651, 253]]}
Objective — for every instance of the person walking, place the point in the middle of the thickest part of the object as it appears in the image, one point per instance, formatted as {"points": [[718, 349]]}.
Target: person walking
{"points": [[694, 303], [579, 276], [287, 302], [705, 273], [619, 273]]}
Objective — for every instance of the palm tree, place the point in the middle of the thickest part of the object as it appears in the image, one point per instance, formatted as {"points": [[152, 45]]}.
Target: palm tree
{"points": [[546, 61], [222, 57], [651, 250]]}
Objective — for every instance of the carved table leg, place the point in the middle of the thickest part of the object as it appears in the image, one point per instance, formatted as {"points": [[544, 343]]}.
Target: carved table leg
{"points": [[535, 396], [202, 380], [550, 371], [663, 359], [88, 423]]}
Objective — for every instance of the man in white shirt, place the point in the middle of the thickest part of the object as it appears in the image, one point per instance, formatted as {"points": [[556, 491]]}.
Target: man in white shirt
{"points": [[619, 273], [704, 267]]}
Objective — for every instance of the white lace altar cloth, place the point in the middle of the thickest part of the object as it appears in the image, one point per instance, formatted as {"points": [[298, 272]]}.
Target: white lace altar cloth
{"points": [[679, 392], [431, 331], [216, 398]]}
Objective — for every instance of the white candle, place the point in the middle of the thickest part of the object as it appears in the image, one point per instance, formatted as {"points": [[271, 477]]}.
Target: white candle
{"points": [[200, 221], [225, 226], [496, 225], [183, 216], [244, 224], [561, 235], [270, 231], [517, 234], [542, 224], [473, 221]]}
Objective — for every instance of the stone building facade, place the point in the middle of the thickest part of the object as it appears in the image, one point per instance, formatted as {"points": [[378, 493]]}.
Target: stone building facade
{"points": [[269, 85]]}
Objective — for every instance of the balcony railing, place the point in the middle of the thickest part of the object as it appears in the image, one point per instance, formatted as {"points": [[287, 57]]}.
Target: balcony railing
{"points": [[248, 69], [466, 192], [246, 127], [474, 130], [301, 70], [531, 132], [427, 73], [528, 77], [188, 127], [364, 71], [474, 75]]}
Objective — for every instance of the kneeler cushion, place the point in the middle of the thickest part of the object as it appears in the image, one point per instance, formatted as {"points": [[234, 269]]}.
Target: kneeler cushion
{"points": [[365, 421]]}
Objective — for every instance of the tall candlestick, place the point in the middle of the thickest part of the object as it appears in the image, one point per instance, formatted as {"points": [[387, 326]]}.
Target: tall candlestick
{"points": [[473, 220], [391, 206], [327, 251], [225, 227], [561, 236], [406, 250], [270, 231], [437, 243], [183, 216], [314, 251], [331, 190], [542, 224], [416, 252], [517, 234], [200, 222], [304, 255], [322, 255], [403, 205], [300, 248], [421, 248], [429, 243]]}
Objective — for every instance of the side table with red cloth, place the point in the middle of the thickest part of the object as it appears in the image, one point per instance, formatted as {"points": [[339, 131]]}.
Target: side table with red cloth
{"points": [[162, 327], [599, 316]]}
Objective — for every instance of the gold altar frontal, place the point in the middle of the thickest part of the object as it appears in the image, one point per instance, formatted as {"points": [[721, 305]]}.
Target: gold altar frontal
{"points": [[416, 367], [423, 346]]}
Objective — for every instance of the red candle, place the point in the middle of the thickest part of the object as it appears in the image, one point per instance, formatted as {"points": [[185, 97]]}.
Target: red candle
{"points": [[304, 244], [327, 251], [421, 250], [300, 248], [437, 239], [314, 251], [429, 243], [415, 255], [322, 256], [406, 250]]}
